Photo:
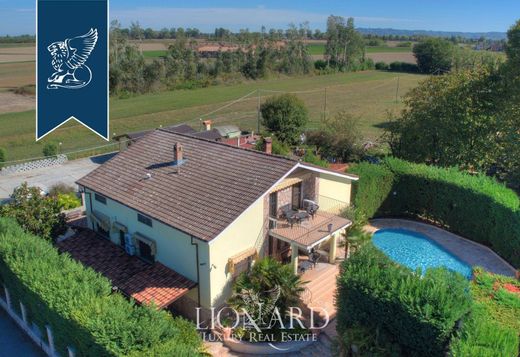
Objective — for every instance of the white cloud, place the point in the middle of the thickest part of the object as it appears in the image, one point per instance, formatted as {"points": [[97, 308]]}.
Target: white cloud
{"points": [[207, 19]]}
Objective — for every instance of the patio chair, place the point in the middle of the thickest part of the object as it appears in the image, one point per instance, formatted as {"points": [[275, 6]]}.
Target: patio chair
{"points": [[290, 215], [312, 208], [314, 257]]}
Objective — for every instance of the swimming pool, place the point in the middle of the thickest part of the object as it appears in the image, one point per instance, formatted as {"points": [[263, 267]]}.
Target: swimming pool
{"points": [[415, 250]]}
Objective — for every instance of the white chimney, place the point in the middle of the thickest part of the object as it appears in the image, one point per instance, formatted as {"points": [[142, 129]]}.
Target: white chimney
{"points": [[207, 124], [178, 153]]}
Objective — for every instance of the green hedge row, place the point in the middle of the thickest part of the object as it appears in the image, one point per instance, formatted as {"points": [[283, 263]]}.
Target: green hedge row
{"points": [[419, 313], [476, 207], [80, 307]]}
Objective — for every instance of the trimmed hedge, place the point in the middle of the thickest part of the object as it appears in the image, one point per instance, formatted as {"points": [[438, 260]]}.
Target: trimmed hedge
{"points": [[418, 313], [476, 207], [80, 307]]}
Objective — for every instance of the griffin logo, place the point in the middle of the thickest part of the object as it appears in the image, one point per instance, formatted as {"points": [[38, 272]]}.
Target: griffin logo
{"points": [[68, 61]]}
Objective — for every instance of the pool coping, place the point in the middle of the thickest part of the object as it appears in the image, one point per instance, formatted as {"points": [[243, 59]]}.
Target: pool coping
{"points": [[428, 230]]}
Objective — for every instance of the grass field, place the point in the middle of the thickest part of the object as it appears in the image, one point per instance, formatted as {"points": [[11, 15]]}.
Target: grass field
{"points": [[316, 49], [154, 53], [368, 95]]}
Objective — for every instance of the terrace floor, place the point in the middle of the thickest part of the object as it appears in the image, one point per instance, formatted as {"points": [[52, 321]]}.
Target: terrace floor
{"points": [[468, 251], [311, 231]]}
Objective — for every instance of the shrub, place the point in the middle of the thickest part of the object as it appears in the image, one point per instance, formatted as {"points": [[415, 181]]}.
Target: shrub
{"points": [[3, 157], [314, 159], [320, 65], [476, 207], [50, 149], [61, 187], [80, 306], [403, 67], [38, 214], [68, 201], [382, 66], [420, 313]]}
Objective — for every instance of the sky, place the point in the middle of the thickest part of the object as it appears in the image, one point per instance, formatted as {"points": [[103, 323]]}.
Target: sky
{"points": [[18, 16]]}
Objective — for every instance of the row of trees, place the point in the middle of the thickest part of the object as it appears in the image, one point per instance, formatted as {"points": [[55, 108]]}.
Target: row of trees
{"points": [[468, 118], [136, 32], [183, 66], [438, 56]]}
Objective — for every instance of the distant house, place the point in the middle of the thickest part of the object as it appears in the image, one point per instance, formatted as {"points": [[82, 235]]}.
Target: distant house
{"points": [[229, 134], [199, 212]]}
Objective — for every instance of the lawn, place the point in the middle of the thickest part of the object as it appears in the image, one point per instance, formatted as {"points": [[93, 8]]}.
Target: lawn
{"points": [[368, 95], [154, 53]]}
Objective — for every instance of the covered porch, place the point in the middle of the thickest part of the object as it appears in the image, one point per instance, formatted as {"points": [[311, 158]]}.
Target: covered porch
{"points": [[308, 243]]}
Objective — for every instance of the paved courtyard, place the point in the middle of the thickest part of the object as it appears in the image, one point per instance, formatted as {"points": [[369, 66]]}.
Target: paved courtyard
{"points": [[470, 252], [67, 173]]}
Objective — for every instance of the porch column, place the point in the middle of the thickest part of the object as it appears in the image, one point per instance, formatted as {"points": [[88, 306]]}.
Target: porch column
{"points": [[294, 257], [332, 248]]}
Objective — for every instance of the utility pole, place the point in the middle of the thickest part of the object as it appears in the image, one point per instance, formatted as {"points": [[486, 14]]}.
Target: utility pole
{"points": [[258, 111], [325, 106], [397, 90]]}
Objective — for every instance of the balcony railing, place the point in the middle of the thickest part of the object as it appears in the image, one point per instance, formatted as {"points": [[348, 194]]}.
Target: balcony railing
{"points": [[326, 220]]}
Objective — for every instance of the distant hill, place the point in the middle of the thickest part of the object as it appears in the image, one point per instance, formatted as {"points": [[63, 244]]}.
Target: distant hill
{"points": [[470, 35]]}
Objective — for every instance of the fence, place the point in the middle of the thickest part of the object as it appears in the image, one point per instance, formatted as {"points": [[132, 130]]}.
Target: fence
{"points": [[45, 342]]}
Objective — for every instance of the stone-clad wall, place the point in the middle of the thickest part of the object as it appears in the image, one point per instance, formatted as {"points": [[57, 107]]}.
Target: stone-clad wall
{"points": [[284, 198]]}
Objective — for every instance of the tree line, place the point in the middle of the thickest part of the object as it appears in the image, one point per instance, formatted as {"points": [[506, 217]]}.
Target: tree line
{"points": [[468, 118], [183, 66]]}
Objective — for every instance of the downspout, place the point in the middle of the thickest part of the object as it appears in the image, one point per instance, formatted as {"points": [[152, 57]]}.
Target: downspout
{"points": [[198, 268], [90, 202]]}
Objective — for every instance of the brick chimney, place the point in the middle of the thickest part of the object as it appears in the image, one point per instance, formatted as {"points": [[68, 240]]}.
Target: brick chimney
{"points": [[207, 124], [268, 145], [178, 153]]}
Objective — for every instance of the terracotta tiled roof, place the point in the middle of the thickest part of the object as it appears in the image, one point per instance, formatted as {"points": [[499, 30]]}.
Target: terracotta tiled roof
{"points": [[144, 282], [202, 196]]}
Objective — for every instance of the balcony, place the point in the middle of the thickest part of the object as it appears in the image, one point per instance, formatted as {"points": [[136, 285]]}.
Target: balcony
{"points": [[312, 231]]}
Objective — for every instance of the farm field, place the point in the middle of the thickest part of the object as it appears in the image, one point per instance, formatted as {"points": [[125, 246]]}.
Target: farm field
{"points": [[17, 74], [319, 49], [20, 53], [368, 95]]}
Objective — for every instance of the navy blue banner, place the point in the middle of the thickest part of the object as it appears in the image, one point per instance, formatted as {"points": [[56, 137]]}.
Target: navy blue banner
{"points": [[72, 65]]}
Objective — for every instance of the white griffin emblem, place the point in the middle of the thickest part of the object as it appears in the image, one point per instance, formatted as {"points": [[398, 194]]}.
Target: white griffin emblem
{"points": [[68, 61]]}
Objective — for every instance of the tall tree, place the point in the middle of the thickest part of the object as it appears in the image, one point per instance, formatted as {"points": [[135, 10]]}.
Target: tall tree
{"points": [[285, 116], [434, 55], [345, 46]]}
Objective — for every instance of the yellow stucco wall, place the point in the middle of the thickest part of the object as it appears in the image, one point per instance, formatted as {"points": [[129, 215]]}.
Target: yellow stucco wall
{"points": [[337, 189], [236, 238], [174, 248]]}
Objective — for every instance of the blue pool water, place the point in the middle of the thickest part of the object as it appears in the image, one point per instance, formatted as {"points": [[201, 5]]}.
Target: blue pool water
{"points": [[415, 250]]}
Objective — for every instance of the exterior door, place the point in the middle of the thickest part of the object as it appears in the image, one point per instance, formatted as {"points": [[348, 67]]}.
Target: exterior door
{"points": [[122, 240]]}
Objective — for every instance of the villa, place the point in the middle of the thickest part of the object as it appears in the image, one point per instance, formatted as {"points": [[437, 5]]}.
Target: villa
{"points": [[182, 216]]}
